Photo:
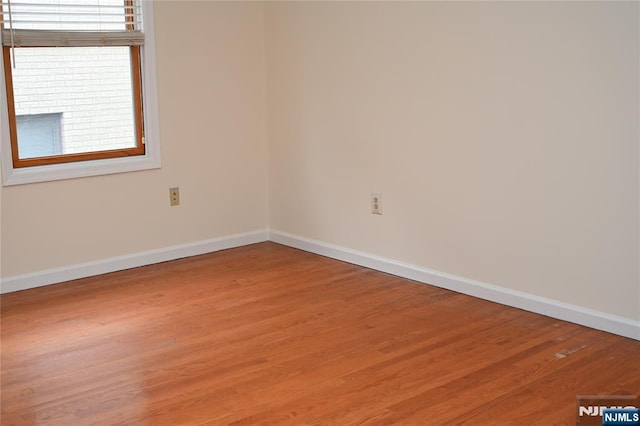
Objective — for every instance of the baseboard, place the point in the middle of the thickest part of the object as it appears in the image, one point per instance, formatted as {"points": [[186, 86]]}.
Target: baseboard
{"points": [[529, 302], [549, 307], [57, 275]]}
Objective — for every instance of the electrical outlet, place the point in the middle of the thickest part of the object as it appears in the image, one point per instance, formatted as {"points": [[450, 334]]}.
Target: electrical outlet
{"points": [[174, 196], [376, 203]]}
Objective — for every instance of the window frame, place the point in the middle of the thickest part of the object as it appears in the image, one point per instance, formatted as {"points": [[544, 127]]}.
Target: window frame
{"points": [[145, 156]]}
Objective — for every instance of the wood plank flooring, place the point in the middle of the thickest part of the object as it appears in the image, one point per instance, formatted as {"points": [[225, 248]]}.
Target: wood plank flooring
{"points": [[267, 334]]}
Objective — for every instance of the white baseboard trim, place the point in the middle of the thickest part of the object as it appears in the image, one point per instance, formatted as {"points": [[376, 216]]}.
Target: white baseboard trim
{"points": [[529, 302], [83, 270]]}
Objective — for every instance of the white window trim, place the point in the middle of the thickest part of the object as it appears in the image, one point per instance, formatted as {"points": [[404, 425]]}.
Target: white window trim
{"points": [[151, 159]]}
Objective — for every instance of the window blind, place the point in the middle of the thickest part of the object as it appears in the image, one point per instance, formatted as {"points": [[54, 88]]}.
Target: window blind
{"points": [[59, 23]]}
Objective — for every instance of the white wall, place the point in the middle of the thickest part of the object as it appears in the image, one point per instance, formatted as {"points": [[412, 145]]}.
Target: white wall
{"points": [[1, 239], [503, 136], [212, 123]]}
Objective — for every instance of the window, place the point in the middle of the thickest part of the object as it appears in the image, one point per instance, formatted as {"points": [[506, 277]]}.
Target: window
{"points": [[76, 75], [41, 134]]}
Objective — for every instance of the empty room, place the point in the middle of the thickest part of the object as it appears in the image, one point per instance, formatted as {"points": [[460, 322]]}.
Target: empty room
{"points": [[320, 212]]}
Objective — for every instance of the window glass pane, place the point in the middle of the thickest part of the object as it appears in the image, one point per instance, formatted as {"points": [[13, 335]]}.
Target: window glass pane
{"points": [[90, 86], [40, 135]]}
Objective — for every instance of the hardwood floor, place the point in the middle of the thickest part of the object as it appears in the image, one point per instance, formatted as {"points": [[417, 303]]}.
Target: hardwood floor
{"points": [[266, 334]]}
